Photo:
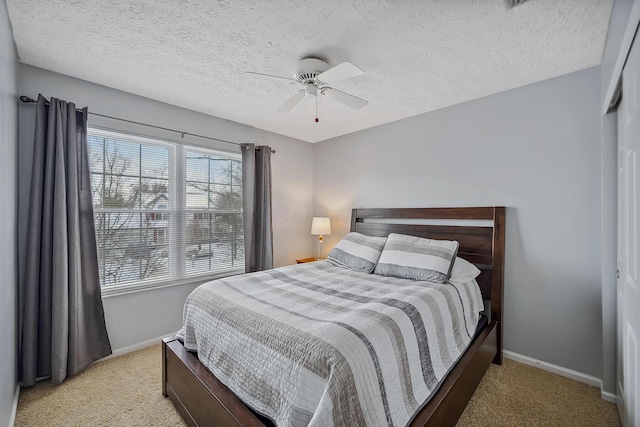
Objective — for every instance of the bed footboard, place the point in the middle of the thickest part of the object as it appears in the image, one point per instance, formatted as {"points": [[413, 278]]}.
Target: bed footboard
{"points": [[197, 394], [447, 405], [202, 400]]}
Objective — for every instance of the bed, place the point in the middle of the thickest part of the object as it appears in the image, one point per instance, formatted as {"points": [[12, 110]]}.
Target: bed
{"points": [[203, 400]]}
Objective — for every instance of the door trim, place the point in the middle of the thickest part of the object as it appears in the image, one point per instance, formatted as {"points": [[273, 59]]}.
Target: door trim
{"points": [[625, 48]]}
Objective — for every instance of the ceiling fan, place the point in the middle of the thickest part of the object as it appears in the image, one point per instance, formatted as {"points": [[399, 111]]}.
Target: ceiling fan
{"points": [[316, 76]]}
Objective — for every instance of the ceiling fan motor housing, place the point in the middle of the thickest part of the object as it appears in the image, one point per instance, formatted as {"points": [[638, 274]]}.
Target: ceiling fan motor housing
{"points": [[307, 69]]}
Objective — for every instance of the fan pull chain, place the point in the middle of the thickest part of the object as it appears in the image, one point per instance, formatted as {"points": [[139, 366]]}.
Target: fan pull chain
{"points": [[317, 119]]}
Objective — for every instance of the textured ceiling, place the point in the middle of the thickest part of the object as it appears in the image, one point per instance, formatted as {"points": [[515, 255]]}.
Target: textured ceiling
{"points": [[418, 56]]}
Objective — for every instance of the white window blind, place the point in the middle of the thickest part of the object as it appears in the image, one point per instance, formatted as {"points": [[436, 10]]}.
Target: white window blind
{"points": [[164, 212], [213, 212]]}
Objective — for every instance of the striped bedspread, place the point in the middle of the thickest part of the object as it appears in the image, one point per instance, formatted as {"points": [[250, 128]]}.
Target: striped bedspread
{"points": [[314, 344]]}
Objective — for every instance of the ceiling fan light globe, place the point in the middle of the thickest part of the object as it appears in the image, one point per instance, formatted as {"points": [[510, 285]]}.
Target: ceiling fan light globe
{"points": [[311, 90]]}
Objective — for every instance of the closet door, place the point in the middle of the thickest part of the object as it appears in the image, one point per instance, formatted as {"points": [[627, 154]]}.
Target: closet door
{"points": [[629, 238]]}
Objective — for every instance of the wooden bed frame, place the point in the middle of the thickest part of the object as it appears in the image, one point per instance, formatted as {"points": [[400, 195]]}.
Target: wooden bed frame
{"points": [[203, 401]]}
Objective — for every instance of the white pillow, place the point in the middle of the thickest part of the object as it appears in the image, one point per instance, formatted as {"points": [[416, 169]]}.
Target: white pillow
{"points": [[463, 271]]}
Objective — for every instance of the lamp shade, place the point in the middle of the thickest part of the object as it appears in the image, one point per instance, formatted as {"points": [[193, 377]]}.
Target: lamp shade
{"points": [[321, 226]]}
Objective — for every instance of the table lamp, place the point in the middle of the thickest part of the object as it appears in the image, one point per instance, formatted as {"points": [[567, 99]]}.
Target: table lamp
{"points": [[320, 226]]}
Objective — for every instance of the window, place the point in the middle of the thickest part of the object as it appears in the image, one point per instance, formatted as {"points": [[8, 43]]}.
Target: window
{"points": [[163, 212]]}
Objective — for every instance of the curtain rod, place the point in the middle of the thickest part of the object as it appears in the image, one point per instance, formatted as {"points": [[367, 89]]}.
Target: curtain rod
{"points": [[28, 100]]}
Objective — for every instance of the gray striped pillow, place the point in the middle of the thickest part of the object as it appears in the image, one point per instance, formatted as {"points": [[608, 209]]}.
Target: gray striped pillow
{"points": [[410, 257], [357, 252]]}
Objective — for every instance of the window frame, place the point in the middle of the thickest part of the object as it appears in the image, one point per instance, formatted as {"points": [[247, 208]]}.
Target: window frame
{"points": [[177, 211]]}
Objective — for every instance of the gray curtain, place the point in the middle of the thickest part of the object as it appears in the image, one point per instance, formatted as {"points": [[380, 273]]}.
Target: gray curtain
{"points": [[63, 329], [256, 192]]}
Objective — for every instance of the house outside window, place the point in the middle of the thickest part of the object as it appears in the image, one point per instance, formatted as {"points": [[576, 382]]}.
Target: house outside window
{"points": [[164, 212]]}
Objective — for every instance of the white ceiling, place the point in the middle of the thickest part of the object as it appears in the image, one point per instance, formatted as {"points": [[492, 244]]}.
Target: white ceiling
{"points": [[418, 56]]}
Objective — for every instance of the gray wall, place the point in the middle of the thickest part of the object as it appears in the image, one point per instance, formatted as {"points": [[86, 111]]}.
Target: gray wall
{"points": [[534, 149], [609, 153], [8, 272], [134, 318]]}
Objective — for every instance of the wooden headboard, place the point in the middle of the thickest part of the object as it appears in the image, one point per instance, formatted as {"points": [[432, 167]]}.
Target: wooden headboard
{"points": [[482, 245]]}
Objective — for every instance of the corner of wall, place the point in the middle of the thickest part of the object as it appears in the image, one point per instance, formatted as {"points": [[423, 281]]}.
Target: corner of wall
{"points": [[8, 220]]}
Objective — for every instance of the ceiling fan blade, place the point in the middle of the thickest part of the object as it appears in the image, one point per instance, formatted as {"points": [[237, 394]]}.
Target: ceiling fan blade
{"points": [[291, 102], [271, 75], [347, 99], [343, 71]]}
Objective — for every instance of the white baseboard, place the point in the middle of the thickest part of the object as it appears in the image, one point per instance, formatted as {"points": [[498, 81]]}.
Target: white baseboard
{"points": [[564, 372], [559, 370], [609, 397], [14, 410], [136, 347]]}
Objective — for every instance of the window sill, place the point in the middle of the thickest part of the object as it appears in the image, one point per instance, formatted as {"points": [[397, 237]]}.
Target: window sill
{"points": [[115, 290]]}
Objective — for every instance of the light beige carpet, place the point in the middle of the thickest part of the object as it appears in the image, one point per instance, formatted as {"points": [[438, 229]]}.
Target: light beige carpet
{"points": [[126, 391], [123, 391], [517, 395]]}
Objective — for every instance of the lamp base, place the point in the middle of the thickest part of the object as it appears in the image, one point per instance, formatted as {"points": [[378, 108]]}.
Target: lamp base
{"points": [[320, 242]]}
